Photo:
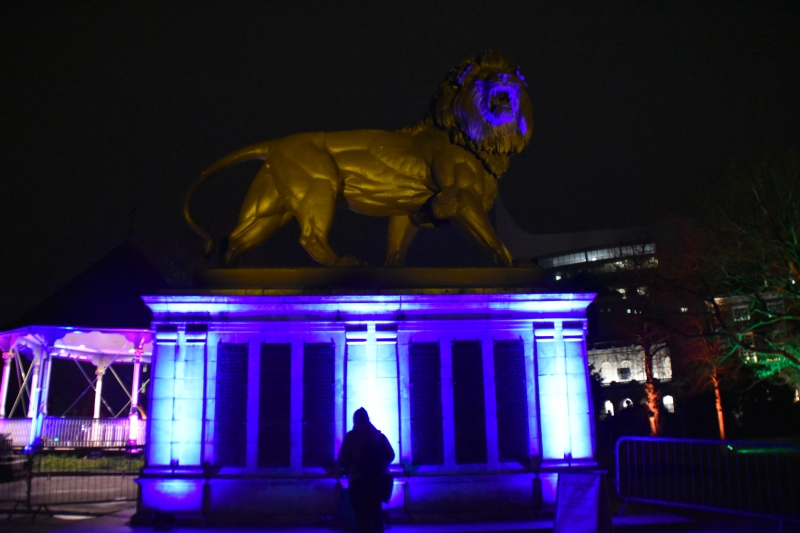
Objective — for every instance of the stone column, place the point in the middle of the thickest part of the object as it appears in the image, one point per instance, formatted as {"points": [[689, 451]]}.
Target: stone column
{"points": [[189, 384], [532, 387], [252, 406], [175, 432], [173, 479], [448, 412], [564, 394], [7, 357], [296, 407], [405, 401], [490, 400]]}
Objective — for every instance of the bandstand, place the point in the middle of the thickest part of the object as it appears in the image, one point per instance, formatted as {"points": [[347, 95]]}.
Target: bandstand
{"points": [[480, 383], [28, 358]]}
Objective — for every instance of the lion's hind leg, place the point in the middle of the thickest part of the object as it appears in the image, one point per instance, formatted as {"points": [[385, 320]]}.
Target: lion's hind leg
{"points": [[401, 232], [250, 233], [315, 216]]}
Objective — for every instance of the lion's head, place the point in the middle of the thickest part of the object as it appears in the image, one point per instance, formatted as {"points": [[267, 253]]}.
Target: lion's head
{"points": [[483, 105]]}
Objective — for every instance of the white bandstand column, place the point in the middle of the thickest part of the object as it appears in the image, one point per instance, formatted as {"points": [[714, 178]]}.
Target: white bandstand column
{"points": [[34, 405], [36, 411], [45, 394], [7, 357], [98, 389], [133, 416]]}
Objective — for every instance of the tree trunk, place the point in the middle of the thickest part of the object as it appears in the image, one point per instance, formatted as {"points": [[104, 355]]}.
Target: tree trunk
{"points": [[718, 398], [653, 396]]}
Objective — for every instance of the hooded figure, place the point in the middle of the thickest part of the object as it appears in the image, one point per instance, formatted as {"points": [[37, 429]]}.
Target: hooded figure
{"points": [[365, 456]]}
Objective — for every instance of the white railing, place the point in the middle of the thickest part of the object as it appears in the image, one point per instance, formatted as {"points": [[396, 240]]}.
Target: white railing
{"points": [[85, 432], [19, 430], [77, 432]]}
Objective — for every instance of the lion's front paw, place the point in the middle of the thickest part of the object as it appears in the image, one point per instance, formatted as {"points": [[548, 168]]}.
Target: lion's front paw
{"points": [[503, 258], [347, 260], [394, 261]]}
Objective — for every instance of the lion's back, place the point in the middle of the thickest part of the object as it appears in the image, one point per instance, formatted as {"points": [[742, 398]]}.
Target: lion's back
{"points": [[383, 172]]}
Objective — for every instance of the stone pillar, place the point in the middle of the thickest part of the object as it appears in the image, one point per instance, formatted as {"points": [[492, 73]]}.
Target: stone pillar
{"points": [[173, 480], [296, 408], [533, 404], [448, 412], [189, 384], [564, 394], [490, 401], [162, 387], [405, 401], [7, 357]]}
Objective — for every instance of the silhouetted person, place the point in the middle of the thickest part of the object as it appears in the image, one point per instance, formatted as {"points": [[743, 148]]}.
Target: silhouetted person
{"points": [[365, 457]]}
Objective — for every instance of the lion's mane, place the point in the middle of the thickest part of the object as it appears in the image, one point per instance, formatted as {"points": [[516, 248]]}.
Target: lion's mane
{"points": [[460, 107]]}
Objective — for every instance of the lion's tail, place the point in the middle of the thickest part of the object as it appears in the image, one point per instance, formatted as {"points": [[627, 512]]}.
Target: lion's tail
{"points": [[255, 151]]}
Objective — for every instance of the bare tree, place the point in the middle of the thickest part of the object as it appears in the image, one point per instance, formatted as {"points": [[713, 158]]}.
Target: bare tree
{"points": [[643, 325], [752, 264]]}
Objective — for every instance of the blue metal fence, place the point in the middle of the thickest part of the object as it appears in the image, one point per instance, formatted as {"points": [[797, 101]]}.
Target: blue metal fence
{"points": [[753, 478]]}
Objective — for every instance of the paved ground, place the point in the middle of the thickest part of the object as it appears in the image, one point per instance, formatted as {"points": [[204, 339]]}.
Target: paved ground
{"points": [[635, 520]]}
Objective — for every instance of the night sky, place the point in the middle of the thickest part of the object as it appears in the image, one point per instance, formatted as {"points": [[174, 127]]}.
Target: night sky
{"points": [[108, 111]]}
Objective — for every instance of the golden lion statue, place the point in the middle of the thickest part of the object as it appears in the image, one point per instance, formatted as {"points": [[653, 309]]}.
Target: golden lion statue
{"points": [[444, 168]]}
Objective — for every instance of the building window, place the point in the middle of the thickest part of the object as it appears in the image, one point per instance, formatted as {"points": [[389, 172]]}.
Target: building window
{"points": [[627, 402], [669, 403], [741, 313], [609, 407], [775, 307], [624, 371]]}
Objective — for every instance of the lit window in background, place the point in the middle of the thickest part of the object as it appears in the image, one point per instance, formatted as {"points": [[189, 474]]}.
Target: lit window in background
{"points": [[669, 403]]}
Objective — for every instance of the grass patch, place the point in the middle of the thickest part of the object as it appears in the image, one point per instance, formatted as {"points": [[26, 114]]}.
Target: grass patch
{"points": [[74, 463]]}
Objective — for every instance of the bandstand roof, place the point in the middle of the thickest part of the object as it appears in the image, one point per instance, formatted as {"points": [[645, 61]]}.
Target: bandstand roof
{"points": [[82, 344]]}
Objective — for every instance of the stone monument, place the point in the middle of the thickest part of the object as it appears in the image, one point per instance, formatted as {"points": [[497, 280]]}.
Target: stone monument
{"points": [[479, 381]]}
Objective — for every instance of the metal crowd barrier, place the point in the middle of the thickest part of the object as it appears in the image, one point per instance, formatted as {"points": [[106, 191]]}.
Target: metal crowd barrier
{"points": [[29, 483], [76, 432], [752, 478]]}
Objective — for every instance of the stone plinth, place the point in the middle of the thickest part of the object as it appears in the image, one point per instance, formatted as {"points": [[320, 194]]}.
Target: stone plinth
{"points": [[481, 387]]}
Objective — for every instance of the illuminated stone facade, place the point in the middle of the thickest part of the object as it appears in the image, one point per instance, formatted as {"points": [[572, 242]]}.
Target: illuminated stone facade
{"points": [[481, 395]]}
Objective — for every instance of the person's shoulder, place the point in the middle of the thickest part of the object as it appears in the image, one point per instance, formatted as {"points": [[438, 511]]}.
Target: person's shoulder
{"points": [[384, 440]]}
